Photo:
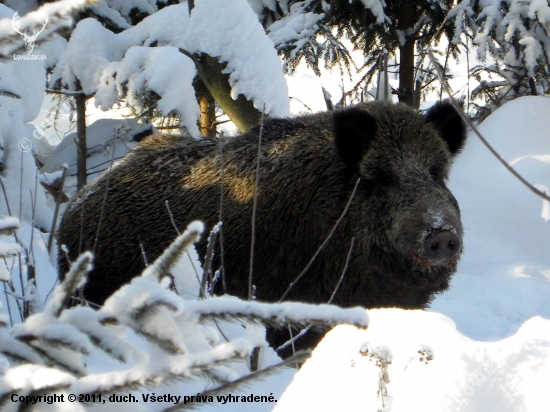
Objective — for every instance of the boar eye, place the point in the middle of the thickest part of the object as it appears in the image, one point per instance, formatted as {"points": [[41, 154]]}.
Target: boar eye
{"points": [[436, 172]]}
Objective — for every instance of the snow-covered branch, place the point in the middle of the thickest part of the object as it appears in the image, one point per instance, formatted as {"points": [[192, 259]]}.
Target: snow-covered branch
{"points": [[56, 15]]}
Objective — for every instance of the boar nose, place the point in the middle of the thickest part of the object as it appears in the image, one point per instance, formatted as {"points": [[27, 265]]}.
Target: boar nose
{"points": [[441, 246]]}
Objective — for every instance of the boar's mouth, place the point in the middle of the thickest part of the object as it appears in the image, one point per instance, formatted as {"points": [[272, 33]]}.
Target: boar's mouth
{"points": [[425, 269], [428, 264]]}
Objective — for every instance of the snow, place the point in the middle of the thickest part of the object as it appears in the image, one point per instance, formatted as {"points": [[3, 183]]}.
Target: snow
{"points": [[36, 376], [107, 140], [296, 25], [236, 37], [377, 8], [497, 210], [491, 325], [290, 311], [25, 80], [152, 67], [111, 66], [9, 223], [463, 374], [57, 12], [533, 50], [545, 213], [9, 249], [540, 9]]}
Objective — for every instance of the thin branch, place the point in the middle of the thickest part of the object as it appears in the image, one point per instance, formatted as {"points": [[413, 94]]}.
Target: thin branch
{"points": [[305, 330], [476, 131], [323, 244], [343, 271], [143, 254], [68, 93], [220, 217], [254, 206], [102, 211], [167, 203], [305, 105]]}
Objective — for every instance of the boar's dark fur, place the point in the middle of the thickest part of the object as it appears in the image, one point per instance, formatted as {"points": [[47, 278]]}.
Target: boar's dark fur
{"points": [[401, 213]]}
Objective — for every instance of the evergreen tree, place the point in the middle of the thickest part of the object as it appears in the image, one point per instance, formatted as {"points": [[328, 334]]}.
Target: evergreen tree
{"points": [[401, 28], [515, 34]]}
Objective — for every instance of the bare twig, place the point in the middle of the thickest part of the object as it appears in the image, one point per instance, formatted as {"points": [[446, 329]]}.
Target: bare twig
{"points": [[323, 244], [477, 132], [21, 187], [220, 217], [101, 213], [309, 109], [305, 330], [167, 203], [31, 272], [343, 271], [253, 240], [33, 202], [143, 254], [81, 237], [22, 311], [8, 303]]}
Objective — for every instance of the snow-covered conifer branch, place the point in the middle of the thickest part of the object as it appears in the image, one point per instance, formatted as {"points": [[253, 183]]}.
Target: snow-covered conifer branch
{"points": [[291, 362], [162, 266], [61, 340], [8, 226], [73, 280], [169, 369], [86, 321], [295, 313], [43, 339], [18, 352]]}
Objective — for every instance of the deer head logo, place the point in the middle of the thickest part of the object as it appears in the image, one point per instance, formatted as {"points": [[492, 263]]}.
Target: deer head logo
{"points": [[29, 40]]}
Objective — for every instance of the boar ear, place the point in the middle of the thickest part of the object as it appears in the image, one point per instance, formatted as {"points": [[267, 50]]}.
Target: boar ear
{"points": [[449, 124], [353, 130]]}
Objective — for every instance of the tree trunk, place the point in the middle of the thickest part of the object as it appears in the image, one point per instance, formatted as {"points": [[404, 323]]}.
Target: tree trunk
{"points": [[207, 104], [241, 111], [81, 147], [406, 54], [533, 86]]}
